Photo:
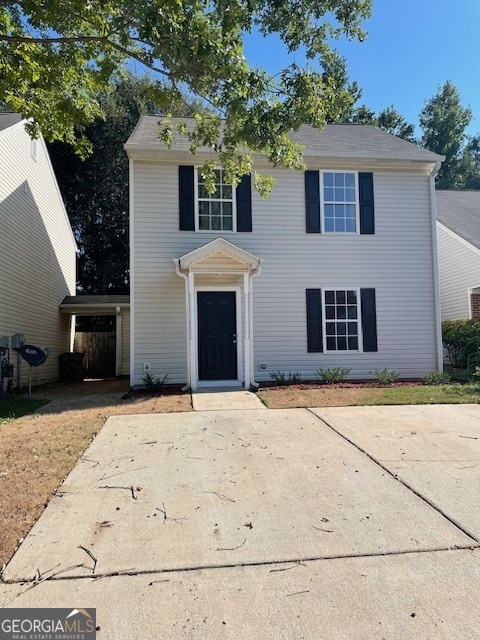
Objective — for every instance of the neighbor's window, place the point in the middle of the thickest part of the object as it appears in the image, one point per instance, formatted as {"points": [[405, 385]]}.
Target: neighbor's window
{"points": [[340, 206], [341, 319], [216, 211]]}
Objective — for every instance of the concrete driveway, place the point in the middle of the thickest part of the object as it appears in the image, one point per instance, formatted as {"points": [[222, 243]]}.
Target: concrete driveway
{"points": [[331, 523]]}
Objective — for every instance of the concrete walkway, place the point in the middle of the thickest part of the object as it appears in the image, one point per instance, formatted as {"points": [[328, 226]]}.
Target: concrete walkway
{"points": [[324, 524], [225, 400]]}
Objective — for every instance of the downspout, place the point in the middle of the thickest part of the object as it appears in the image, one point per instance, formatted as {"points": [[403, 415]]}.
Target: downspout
{"points": [[131, 228], [253, 275], [185, 277], [436, 284]]}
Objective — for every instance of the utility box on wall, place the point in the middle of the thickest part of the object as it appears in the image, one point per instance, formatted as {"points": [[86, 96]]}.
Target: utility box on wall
{"points": [[18, 339]]}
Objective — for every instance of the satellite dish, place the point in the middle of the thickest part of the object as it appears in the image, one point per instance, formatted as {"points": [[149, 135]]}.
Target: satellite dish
{"points": [[33, 355]]}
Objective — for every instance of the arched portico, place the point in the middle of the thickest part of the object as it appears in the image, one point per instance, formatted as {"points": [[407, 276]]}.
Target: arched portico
{"points": [[219, 316]]}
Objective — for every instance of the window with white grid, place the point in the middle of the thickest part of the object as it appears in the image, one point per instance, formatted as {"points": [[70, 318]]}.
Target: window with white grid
{"points": [[341, 319], [340, 202], [216, 211]]}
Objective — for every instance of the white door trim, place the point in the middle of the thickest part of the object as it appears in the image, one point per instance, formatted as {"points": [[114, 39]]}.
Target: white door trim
{"points": [[196, 382]]}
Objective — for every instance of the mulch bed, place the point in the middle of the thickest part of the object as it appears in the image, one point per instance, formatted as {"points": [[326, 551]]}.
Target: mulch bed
{"points": [[370, 384], [168, 390]]}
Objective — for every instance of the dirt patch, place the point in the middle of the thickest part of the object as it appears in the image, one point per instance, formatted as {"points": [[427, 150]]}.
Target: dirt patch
{"points": [[39, 450], [367, 384]]}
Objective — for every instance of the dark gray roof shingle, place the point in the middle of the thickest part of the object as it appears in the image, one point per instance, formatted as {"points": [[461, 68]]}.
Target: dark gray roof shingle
{"points": [[334, 141], [459, 211], [8, 119]]}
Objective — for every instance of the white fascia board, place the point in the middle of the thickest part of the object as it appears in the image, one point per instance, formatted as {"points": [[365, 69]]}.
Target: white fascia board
{"points": [[454, 235], [59, 194], [16, 127], [219, 245], [152, 153], [12, 128], [92, 309]]}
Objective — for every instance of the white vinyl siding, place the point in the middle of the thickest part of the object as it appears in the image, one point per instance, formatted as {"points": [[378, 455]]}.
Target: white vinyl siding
{"points": [[459, 271], [37, 252], [125, 366], [396, 261]]}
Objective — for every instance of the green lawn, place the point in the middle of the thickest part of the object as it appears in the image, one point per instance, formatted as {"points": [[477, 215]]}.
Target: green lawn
{"points": [[13, 408]]}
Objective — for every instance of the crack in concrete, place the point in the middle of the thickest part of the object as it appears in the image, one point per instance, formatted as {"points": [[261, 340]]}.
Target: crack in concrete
{"points": [[398, 479], [259, 563]]}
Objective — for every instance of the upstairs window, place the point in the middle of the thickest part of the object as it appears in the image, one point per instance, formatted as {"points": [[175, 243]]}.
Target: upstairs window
{"points": [[340, 202], [215, 211]]}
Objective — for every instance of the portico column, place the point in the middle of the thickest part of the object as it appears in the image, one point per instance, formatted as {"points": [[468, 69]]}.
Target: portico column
{"points": [[193, 359], [247, 352]]}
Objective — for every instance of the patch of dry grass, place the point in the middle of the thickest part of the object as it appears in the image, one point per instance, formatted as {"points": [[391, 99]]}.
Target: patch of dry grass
{"points": [[39, 450], [325, 396]]}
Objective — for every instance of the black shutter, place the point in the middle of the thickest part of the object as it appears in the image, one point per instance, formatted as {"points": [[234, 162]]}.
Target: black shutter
{"points": [[312, 201], [244, 204], [314, 321], [367, 208], [369, 319], [186, 183]]}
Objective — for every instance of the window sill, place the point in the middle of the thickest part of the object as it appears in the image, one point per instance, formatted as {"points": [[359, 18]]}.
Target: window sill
{"points": [[213, 231]]}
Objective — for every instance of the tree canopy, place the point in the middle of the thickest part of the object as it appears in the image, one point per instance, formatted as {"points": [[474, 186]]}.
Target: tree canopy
{"points": [[95, 190], [389, 120], [56, 56], [444, 121]]}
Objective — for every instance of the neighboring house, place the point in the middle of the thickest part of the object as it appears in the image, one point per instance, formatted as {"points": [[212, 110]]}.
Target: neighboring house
{"points": [[336, 269], [458, 229], [37, 249]]}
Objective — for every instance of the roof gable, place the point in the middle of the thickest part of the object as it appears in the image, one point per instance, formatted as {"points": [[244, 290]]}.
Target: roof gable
{"points": [[9, 119], [459, 211], [219, 251]]}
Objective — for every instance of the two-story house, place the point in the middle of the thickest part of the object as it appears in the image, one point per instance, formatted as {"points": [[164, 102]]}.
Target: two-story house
{"points": [[336, 269]]}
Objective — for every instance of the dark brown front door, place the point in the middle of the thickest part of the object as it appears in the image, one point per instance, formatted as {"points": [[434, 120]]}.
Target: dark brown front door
{"points": [[217, 335]]}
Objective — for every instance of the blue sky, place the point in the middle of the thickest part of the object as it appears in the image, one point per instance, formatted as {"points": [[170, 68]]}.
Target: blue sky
{"points": [[413, 47]]}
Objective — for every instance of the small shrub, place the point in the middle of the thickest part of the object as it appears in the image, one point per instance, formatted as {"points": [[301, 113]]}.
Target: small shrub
{"points": [[436, 377], [280, 377], [153, 383], [461, 338], [385, 376], [294, 376], [330, 376]]}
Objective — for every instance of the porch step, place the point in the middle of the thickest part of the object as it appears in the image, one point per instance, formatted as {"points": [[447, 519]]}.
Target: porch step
{"points": [[221, 400]]}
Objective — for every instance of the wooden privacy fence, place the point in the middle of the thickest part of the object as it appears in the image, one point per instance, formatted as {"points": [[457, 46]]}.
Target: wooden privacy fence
{"points": [[99, 349]]}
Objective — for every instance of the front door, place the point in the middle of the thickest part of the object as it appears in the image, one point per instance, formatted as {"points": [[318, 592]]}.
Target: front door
{"points": [[217, 335]]}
